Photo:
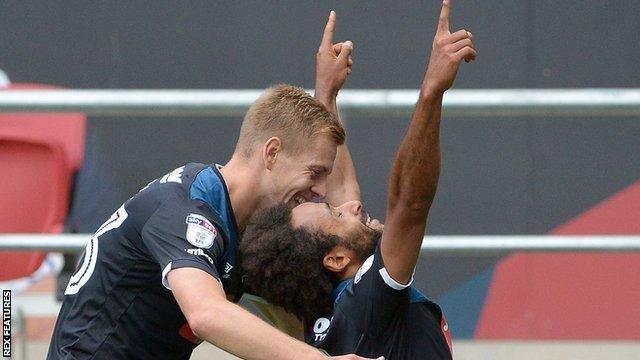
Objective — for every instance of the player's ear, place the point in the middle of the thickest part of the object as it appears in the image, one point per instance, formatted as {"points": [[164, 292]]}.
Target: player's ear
{"points": [[270, 151], [337, 259]]}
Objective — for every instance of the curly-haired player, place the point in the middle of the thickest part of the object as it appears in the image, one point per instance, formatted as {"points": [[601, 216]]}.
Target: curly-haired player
{"points": [[375, 309]]}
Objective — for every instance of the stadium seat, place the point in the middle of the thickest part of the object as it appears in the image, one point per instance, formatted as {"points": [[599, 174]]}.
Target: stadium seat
{"points": [[39, 155]]}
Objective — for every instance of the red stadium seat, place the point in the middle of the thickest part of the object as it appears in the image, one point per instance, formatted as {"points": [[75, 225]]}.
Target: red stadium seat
{"points": [[39, 154]]}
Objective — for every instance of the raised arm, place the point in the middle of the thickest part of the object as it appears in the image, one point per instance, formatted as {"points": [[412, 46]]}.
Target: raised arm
{"points": [[416, 169], [333, 65]]}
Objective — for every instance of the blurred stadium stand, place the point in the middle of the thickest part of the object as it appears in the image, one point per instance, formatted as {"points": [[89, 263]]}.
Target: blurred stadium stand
{"points": [[40, 154]]}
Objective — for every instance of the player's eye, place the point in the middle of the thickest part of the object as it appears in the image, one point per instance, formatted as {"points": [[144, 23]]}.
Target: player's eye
{"points": [[339, 214]]}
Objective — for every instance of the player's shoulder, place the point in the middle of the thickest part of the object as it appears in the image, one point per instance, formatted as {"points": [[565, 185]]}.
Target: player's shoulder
{"points": [[171, 187], [179, 178], [185, 223], [373, 269], [175, 208], [167, 199]]}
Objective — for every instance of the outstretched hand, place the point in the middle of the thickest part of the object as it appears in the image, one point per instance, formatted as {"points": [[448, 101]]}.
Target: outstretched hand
{"points": [[333, 62], [449, 49]]}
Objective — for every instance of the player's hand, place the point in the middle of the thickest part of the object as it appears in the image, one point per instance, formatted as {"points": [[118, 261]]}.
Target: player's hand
{"points": [[449, 49], [333, 62]]}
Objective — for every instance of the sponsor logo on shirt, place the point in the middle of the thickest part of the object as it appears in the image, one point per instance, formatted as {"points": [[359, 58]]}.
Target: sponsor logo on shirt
{"points": [[200, 232], [320, 328], [200, 252]]}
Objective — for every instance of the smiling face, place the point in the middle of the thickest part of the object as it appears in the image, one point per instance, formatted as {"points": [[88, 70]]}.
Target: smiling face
{"points": [[348, 221], [299, 178], [294, 138]]}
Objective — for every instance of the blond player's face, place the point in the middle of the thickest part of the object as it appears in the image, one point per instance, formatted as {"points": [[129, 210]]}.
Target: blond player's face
{"points": [[300, 178]]}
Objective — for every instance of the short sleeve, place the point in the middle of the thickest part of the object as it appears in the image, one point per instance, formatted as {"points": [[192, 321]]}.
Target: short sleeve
{"points": [[181, 236], [384, 294]]}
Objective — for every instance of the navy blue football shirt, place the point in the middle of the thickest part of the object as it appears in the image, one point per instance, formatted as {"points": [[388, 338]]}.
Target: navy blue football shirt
{"points": [[373, 315], [118, 304]]}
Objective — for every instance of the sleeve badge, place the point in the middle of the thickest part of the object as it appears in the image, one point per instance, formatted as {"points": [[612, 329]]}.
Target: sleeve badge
{"points": [[200, 232]]}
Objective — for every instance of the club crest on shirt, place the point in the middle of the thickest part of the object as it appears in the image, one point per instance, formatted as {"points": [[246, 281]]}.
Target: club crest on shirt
{"points": [[363, 269], [200, 232]]}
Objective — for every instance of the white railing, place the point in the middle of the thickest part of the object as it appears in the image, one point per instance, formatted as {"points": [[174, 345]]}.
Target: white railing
{"points": [[603, 103], [447, 244], [371, 103]]}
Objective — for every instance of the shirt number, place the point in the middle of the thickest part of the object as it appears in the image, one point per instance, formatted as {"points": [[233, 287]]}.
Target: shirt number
{"points": [[91, 252]]}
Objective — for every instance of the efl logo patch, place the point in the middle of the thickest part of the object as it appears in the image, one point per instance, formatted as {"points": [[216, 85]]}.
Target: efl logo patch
{"points": [[200, 232]]}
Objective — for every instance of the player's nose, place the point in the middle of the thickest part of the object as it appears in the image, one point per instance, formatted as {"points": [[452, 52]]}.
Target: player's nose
{"points": [[353, 207], [319, 189]]}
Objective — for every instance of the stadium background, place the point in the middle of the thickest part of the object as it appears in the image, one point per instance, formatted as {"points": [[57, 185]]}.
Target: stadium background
{"points": [[521, 175]]}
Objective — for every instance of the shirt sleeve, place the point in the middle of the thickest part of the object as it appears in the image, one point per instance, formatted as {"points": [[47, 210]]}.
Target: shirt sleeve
{"points": [[384, 294], [178, 236]]}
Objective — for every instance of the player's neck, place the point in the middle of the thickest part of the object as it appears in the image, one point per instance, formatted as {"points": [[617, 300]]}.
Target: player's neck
{"points": [[242, 183], [349, 272]]}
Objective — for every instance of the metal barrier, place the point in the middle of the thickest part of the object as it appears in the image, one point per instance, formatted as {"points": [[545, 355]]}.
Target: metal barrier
{"points": [[440, 244], [371, 103]]}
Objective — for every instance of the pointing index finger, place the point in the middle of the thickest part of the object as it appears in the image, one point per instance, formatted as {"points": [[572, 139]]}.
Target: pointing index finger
{"points": [[327, 37], [443, 23]]}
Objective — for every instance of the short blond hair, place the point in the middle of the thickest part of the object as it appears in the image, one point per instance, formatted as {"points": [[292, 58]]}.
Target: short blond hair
{"points": [[291, 114]]}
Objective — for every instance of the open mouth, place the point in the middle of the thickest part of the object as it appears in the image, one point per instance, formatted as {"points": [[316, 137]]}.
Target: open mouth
{"points": [[299, 199], [365, 218], [372, 224]]}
